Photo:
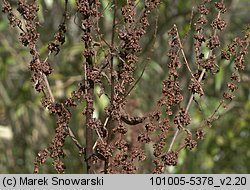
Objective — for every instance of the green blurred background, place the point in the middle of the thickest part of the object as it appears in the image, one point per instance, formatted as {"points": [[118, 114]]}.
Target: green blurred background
{"points": [[26, 128]]}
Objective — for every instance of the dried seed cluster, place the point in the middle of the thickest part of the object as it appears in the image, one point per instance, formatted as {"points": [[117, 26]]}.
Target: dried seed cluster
{"points": [[108, 148]]}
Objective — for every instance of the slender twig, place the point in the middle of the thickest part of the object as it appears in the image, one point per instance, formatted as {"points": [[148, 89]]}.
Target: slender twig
{"points": [[192, 95], [106, 122], [71, 134], [183, 53], [173, 140]]}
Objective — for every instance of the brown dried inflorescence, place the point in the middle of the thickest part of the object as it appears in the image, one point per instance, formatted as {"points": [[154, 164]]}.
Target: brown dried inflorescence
{"points": [[116, 144], [170, 158]]}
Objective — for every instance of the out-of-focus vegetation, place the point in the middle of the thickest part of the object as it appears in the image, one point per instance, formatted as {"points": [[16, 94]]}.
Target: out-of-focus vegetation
{"points": [[25, 127]]}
